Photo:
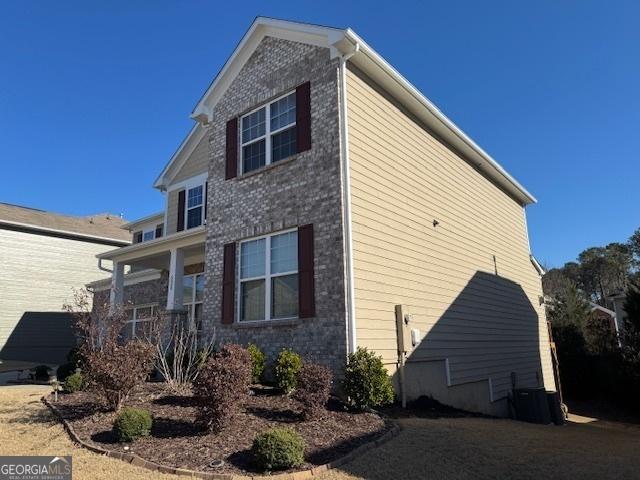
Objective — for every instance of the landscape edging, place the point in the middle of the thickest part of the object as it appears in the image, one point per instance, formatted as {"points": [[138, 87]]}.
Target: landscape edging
{"points": [[299, 475]]}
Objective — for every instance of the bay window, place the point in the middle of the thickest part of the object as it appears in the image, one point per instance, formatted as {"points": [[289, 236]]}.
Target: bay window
{"points": [[269, 277], [269, 133]]}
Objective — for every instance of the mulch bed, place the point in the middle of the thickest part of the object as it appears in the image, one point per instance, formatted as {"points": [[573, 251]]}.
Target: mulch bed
{"points": [[177, 441]]}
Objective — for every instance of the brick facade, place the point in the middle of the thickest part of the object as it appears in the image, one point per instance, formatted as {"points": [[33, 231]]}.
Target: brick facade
{"points": [[301, 190]]}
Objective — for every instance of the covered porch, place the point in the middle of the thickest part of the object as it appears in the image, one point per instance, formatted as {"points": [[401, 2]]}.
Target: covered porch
{"points": [[181, 255]]}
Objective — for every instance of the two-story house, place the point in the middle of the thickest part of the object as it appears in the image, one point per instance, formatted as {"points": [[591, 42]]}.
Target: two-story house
{"points": [[317, 191]]}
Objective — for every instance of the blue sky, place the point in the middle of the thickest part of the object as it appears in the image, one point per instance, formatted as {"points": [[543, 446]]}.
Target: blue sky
{"points": [[548, 88]]}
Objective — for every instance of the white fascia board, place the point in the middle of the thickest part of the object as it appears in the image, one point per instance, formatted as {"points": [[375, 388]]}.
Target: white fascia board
{"points": [[179, 158], [129, 279], [260, 28], [391, 80]]}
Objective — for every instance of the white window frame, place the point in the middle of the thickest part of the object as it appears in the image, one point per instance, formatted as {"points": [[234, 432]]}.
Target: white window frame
{"points": [[134, 321], [187, 208], [266, 277], [268, 134], [190, 304], [152, 231]]}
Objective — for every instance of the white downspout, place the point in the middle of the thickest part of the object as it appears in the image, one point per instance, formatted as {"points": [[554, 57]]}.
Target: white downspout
{"points": [[346, 185]]}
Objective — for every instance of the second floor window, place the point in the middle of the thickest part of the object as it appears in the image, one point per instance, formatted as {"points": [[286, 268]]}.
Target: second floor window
{"points": [[194, 207], [269, 133]]}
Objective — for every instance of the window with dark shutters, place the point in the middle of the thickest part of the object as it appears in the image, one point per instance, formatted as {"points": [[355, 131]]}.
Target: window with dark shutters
{"points": [[303, 117], [159, 229], [306, 286], [181, 201], [228, 282], [137, 237], [231, 164]]}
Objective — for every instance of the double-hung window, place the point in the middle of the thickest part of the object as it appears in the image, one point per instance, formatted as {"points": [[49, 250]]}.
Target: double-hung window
{"points": [[195, 206], [193, 288], [269, 133], [269, 277]]}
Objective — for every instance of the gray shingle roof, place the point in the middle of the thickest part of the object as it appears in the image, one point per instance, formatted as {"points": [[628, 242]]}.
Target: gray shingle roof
{"points": [[103, 225]]}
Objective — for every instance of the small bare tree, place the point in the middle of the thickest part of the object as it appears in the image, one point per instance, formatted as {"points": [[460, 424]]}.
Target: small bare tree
{"points": [[181, 352], [112, 365]]}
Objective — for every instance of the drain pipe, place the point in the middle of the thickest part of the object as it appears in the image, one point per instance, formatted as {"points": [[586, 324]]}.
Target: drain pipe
{"points": [[346, 193]]}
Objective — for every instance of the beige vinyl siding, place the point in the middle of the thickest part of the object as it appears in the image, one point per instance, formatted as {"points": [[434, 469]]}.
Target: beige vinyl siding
{"points": [[196, 164], [38, 273], [402, 179]]}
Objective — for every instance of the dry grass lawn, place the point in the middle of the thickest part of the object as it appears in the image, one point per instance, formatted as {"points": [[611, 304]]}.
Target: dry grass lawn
{"points": [[448, 448], [28, 428]]}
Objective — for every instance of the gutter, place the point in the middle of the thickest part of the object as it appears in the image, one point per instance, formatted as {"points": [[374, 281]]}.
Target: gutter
{"points": [[346, 186]]}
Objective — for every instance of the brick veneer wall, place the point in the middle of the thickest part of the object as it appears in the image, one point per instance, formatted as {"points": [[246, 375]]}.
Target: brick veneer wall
{"points": [[301, 190]]}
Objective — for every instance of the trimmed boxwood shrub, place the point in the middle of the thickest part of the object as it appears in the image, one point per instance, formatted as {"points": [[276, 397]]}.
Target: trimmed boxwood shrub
{"points": [[278, 449], [257, 362], [288, 366], [74, 383], [131, 424], [366, 382]]}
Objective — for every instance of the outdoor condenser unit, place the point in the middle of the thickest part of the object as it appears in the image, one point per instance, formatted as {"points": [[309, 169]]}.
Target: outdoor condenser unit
{"points": [[531, 405]]}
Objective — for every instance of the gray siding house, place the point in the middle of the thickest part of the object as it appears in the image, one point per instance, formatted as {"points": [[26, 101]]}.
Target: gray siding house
{"points": [[43, 256], [318, 191]]}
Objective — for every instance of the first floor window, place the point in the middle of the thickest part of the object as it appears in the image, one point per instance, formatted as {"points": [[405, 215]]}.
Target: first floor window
{"points": [[269, 277], [139, 322], [192, 299]]}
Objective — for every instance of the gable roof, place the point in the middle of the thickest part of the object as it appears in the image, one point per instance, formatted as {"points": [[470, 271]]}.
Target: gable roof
{"points": [[180, 156], [100, 228], [343, 42]]}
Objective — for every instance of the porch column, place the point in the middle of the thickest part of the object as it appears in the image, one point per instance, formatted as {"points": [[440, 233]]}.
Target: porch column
{"points": [[117, 285], [176, 273]]}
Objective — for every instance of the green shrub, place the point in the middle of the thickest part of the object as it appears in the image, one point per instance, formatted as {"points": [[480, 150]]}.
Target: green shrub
{"points": [[279, 449], [288, 366], [366, 382], [131, 424], [74, 383], [257, 362]]}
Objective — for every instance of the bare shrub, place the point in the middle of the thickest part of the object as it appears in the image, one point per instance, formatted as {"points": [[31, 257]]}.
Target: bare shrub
{"points": [[313, 390], [112, 367], [222, 386], [180, 354]]}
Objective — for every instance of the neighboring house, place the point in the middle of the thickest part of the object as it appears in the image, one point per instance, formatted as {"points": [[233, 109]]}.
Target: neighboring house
{"points": [[617, 300], [318, 190], [606, 316], [43, 257]]}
